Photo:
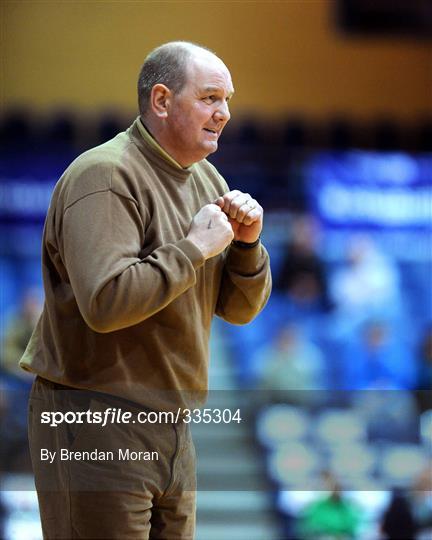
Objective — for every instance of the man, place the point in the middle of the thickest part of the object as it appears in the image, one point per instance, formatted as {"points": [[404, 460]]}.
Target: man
{"points": [[143, 244]]}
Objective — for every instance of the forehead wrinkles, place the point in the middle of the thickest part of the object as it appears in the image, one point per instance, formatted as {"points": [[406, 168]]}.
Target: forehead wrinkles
{"points": [[210, 73]]}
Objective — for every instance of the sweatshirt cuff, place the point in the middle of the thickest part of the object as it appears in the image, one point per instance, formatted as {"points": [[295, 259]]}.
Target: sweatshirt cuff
{"points": [[246, 261], [192, 252]]}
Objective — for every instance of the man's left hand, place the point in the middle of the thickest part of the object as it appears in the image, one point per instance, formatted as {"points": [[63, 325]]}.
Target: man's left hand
{"points": [[244, 213]]}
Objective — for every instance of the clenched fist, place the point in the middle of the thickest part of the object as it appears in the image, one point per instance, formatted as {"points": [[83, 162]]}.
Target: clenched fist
{"points": [[244, 214], [210, 231]]}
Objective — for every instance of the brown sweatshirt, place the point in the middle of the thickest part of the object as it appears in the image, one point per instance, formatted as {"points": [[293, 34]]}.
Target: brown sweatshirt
{"points": [[128, 299]]}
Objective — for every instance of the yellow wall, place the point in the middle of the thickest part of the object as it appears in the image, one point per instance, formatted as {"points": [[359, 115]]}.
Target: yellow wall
{"points": [[284, 56]]}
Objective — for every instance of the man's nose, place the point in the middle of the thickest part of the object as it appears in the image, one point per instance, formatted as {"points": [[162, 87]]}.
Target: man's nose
{"points": [[222, 112]]}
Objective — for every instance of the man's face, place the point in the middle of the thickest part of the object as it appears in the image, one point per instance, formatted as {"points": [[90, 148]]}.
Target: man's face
{"points": [[199, 112]]}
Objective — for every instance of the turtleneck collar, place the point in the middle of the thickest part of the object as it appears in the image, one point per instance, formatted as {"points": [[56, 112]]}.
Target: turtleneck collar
{"points": [[154, 151]]}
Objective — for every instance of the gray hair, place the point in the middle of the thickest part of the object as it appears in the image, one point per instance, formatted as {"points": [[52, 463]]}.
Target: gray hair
{"points": [[167, 64]]}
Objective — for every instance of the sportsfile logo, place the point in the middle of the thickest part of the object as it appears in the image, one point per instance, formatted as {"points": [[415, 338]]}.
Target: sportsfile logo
{"points": [[112, 415]]}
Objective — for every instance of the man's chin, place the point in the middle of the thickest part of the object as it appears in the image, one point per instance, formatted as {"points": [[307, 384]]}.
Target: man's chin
{"points": [[211, 147]]}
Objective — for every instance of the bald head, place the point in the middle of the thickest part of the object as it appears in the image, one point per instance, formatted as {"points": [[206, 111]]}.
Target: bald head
{"points": [[168, 65]]}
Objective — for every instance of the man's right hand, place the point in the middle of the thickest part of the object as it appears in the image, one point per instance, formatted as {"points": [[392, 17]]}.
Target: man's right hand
{"points": [[210, 231]]}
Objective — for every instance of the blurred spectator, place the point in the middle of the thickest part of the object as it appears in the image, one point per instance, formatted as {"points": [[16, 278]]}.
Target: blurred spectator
{"points": [[3, 515], [17, 335], [425, 368], [422, 503], [291, 367], [14, 454], [377, 359], [302, 275], [424, 383], [398, 521], [367, 286], [4, 446], [330, 517], [389, 416], [15, 385]]}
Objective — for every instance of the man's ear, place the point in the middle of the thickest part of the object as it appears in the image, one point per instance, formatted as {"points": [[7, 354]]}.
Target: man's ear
{"points": [[160, 98]]}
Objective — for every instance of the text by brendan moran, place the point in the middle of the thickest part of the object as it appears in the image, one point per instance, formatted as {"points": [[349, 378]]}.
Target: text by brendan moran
{"points": [[122, 454]]}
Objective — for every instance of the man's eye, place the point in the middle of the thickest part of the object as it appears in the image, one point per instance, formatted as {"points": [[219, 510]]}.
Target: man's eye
{"points": [[210, 99]]}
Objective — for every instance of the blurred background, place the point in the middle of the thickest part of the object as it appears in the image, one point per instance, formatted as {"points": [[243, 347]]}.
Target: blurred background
{"points": [[331, 132]]}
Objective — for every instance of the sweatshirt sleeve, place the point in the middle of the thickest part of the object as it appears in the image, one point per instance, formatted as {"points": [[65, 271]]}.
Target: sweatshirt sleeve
{"points": [[246, 284], [114, 288]]}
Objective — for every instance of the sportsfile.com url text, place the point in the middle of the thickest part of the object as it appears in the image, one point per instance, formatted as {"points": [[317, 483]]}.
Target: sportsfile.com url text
{"points": [[118, 416]]}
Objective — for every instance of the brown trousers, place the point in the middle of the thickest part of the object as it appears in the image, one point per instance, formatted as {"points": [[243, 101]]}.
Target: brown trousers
{"points": [[94, 492]]}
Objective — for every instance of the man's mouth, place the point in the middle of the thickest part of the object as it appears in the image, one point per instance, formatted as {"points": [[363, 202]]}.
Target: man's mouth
{"points": [[209, 130]]}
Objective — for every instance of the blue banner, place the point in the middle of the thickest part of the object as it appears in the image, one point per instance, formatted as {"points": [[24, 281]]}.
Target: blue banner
{"points": [[370, 190]]}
